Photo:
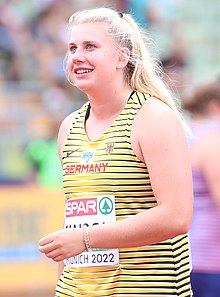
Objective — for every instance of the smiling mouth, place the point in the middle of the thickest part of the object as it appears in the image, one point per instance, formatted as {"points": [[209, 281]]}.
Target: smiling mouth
{"points": [[83, 71]]}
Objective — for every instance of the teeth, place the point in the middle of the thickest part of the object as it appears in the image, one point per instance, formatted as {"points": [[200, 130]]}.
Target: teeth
{"points": [[83, 71]]}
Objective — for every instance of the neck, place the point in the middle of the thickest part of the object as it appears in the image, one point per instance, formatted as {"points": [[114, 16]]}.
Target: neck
{"points": [[108, 104]]}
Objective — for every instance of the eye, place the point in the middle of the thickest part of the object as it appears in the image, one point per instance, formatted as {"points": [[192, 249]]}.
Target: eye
{"points": [[90, 46], [72, 49]]}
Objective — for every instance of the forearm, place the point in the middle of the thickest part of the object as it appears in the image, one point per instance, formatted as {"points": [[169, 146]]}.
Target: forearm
{"points": [[149, 227]]}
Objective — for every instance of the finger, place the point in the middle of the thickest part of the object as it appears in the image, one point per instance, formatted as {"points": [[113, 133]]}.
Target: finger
{"points": [[47, 248], [46, 239], [53, 254], [58, 258]]}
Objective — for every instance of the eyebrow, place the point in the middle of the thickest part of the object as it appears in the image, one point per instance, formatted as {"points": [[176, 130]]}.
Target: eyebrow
{"points": [[84, 42]]}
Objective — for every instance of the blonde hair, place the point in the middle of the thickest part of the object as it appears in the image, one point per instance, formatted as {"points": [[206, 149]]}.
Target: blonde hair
{"points": [[142, 72]]}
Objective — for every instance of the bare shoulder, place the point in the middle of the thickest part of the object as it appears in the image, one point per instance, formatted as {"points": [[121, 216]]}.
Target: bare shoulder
{"points": [[65, 125], [157, 126], [158, 118], [64, 130]]}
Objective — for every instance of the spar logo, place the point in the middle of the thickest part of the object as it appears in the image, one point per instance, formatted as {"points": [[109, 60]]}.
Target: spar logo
{"points": [[89, 206], [105, 205]]}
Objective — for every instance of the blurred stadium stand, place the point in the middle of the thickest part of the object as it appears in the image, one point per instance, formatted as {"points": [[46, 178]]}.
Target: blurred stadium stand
{"points": [[35, 97]]}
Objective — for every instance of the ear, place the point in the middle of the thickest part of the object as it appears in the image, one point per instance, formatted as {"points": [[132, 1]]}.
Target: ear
{"points": [[123, 57]]}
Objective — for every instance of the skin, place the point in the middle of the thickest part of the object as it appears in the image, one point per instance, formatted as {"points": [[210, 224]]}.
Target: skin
{"points": [[162, 147]]}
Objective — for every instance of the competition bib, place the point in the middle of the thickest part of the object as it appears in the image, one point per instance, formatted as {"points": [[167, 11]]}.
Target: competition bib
{"points": [[91, 211]]}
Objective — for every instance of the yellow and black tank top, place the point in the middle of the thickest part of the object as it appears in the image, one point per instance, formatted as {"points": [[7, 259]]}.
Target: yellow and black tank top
{"points": [[161, 269]]}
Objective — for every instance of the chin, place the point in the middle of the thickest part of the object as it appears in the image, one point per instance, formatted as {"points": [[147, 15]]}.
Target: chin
{"points": [[85, 88]]}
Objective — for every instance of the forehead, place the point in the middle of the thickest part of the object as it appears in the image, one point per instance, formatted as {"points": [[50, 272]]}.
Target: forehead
{"points": [[89, 31]]}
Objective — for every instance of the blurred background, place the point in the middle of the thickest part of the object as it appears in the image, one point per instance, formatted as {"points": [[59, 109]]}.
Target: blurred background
{"points": [[35, 97]]}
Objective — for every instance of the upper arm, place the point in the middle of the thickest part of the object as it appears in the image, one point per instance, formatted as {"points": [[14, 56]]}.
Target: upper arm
{"points": [[164, 150], [64, 131]]}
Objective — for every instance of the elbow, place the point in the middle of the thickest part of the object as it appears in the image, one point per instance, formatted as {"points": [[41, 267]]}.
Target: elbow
{"points": [[183, 218], [182, 224], [180, 219], [184, 228]]}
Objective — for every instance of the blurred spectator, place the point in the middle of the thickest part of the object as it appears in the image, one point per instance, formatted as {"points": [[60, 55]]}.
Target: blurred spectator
{"points": [[42, 155], [50, 48], [160, 11], [204, 108], [175, 68], [8, 46], [139, 10], [33, 47], [119, 5], [166, 30], [158, 17]]}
